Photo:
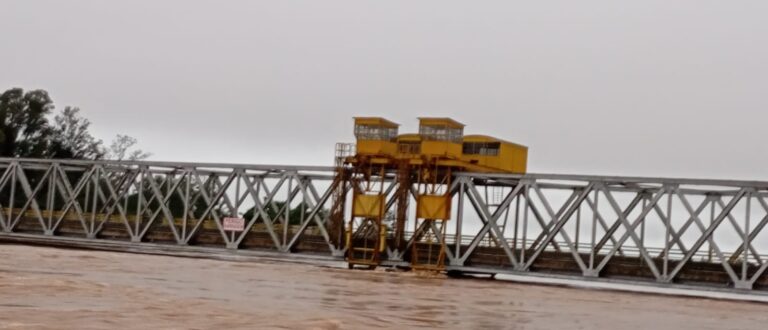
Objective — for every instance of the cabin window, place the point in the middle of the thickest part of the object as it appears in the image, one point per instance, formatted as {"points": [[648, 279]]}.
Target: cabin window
{"points": [[375, 133], [409, 147], [441, 133], [481, 148]]}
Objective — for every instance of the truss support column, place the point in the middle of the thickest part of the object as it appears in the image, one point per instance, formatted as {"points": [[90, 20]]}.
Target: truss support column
{"points": [[744, 282], [527, 196], [50, 200], [459, 223], [667, 234]]}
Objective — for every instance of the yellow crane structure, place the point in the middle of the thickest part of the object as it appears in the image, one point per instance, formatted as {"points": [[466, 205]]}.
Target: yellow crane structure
{"points": [[422, 165]]}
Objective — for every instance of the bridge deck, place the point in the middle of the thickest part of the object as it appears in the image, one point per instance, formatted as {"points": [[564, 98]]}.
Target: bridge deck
{"points": [[485, 260]]}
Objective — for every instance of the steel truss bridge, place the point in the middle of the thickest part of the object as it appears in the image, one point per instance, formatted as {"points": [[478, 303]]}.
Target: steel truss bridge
{"points": [[701, 233]]}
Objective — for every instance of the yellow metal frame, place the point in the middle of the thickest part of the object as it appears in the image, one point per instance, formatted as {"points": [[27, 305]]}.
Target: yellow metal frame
{"points": [[367, 206], [431, 155], [435, 207]]}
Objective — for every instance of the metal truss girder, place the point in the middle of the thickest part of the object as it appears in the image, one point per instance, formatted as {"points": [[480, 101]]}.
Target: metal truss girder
{"points": [[694, 214], [258, 208], [4, 222], [211, 204], [559, 224], [70, 195], [489, 221], [163, 207], [619, 180], [707, 233], [616, 224], [571, 247], [697, 220], [630, 231], [63, 196], [546, 226], [757, 230], [31, 194], [107, 209], [312, 216]]}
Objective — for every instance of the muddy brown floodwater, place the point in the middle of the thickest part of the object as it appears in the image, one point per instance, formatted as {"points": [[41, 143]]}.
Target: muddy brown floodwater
{"points": [[48, 288]]}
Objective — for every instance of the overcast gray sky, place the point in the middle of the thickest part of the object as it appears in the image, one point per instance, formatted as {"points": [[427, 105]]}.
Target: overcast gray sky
{"points": [[652, 88]]}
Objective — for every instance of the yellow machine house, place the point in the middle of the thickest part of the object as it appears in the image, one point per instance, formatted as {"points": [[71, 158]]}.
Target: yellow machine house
{"points": [[424, 161], [441, 140], [375, 136], [494, 154]]}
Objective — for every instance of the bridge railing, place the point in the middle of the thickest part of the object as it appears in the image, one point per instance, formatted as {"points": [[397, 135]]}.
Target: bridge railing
{"points": [[671, 225]]}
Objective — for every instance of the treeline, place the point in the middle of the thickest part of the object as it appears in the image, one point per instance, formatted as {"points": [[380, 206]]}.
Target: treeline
{"points": [[29, 128]]}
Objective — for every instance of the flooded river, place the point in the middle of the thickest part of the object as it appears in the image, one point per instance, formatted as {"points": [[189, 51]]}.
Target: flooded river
{"points": [[47, 288]]}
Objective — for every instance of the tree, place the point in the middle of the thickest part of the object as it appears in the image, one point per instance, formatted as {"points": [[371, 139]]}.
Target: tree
{"points": [[71, 139], [294, 214], [121, 149], [175, 202], [26, 132], [24, 129]]}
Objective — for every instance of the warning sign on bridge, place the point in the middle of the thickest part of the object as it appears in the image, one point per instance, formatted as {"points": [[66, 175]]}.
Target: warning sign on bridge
{"points": [[234, 224]]}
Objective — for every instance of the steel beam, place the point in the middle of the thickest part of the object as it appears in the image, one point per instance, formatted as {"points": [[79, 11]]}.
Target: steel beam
{"points": [[82, 198]]}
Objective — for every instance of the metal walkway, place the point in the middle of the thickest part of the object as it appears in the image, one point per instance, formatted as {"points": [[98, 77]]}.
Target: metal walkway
{"points": [[696, 233]]}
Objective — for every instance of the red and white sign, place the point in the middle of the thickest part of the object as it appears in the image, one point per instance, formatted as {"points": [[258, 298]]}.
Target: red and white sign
{"points": [[234, 224]]}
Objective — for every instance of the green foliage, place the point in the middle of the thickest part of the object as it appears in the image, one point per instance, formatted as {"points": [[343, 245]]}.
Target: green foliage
{"points": [[175, 202], [24, 128], [71, 138], [25, 131], [276, 210]]}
